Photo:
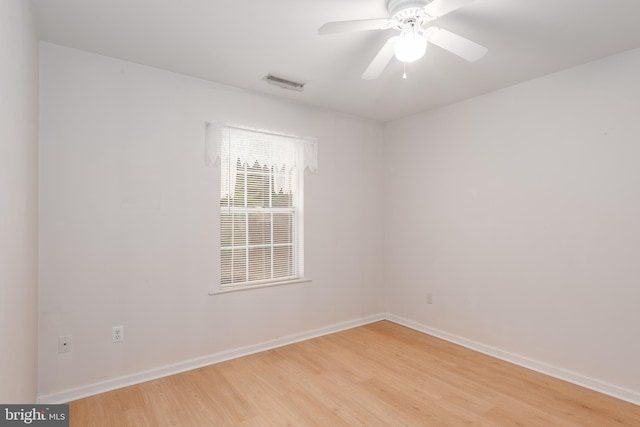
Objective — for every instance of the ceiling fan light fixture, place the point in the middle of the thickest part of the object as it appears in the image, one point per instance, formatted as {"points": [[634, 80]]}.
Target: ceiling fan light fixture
{"points": [[414, 19], [411, 46]]}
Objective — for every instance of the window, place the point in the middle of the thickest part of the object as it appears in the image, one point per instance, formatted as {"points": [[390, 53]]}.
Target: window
{"points": [[261, 204]]}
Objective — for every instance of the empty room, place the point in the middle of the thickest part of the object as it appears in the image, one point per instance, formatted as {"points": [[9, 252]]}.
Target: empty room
{"points": [[319, 213]]}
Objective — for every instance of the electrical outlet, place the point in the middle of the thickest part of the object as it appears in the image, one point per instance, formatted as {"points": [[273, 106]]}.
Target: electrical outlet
{"points": [[429, 298], [64, 344], [117, 333]]}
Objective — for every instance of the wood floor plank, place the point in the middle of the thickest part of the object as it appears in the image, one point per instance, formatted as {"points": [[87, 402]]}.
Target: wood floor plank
{"points": [[381, 374]]}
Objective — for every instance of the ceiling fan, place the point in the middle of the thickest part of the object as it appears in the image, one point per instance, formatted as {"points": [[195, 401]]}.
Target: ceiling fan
{"points": [[413, 19]]}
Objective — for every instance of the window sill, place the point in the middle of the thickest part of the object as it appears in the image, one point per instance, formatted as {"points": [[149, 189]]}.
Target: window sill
{"points": [[264, 285]]}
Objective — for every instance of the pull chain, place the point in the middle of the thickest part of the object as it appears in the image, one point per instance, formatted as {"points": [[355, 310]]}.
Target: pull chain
{"points": [[404, 74]]}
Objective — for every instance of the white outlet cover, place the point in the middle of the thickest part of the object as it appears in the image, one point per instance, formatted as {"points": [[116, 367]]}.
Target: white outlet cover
{"points": [[429, 298], [117, 334]]}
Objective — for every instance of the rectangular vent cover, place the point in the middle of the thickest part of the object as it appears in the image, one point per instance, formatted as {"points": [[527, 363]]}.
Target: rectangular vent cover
{"points": [[284, 83]]}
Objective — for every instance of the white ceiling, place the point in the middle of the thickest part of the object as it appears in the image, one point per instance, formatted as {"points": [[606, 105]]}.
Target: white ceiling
{"points": [[238, 42]]}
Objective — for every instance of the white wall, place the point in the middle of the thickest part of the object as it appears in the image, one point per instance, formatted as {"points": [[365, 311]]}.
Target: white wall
{"points": [[128, 220], [517, 210], [18, 202], [520, 211]]}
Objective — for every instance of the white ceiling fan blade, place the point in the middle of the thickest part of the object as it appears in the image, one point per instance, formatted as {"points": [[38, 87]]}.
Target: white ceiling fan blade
{"points": [[360, 25], [438, 8], [458, 45], [381, 60]]}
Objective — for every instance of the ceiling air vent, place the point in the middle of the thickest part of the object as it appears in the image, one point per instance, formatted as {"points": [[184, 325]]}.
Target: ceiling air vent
{"points": [[284, 83]]}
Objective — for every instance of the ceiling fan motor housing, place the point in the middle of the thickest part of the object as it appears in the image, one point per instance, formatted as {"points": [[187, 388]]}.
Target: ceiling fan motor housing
{"points": [[403, 9]]}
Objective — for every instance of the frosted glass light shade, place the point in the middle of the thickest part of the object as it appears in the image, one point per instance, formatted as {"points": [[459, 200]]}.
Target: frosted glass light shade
{"points": [[410, 47]]}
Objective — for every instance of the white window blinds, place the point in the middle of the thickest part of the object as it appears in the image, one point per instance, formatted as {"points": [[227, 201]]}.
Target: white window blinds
{"points": [[261, 193]]}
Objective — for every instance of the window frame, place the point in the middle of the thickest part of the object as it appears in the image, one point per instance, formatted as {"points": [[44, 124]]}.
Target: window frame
{"points": [[298, 215]]}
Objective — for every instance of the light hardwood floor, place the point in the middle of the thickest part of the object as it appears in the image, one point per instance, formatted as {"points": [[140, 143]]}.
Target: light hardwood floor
{"points": [[380, 374]]}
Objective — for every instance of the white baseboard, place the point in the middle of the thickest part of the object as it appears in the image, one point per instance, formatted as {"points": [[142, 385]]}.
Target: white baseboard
{"points": [[562, 374], [140, 377], [152, 374]]}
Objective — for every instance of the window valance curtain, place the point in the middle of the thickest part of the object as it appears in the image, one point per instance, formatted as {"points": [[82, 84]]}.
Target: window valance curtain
{"points": [[247, 146]]}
